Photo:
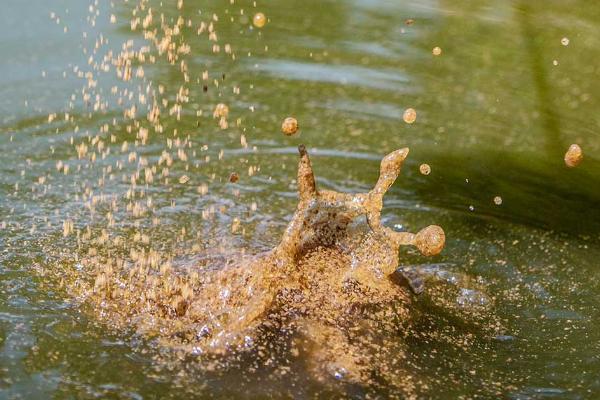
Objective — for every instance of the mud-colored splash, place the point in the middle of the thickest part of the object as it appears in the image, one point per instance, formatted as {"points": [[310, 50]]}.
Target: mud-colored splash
{"points": [[330, 294], [149, 164]]}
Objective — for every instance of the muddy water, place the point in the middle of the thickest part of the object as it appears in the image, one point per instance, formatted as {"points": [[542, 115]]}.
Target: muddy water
{"points": [[496, 110]]}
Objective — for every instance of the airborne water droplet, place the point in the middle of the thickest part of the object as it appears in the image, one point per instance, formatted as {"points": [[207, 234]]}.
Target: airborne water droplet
{"points": [[410, 115], [259, 20], [573, 156], [289, 126]]}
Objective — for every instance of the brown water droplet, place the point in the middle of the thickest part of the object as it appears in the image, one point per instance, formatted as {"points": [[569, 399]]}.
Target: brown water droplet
{"points": [[289, 126], [430, 241], [234, 177], [425, 169], [259, 20], [573, 156], [410, 115], [221, 111]]}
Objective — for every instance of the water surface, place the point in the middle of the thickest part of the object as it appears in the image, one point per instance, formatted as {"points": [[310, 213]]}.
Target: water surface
{"points": [[496, 112]]}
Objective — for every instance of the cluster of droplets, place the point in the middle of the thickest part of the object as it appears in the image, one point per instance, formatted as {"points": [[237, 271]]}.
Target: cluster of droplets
{"points": [[129, 145], [116, 80]]}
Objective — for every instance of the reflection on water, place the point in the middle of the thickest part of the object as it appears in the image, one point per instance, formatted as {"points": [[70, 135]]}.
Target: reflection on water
{"points": [[496, 112], [337, 74]]}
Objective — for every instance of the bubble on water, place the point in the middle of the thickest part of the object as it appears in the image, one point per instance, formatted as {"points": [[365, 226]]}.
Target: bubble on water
{"points": [[339, 374], [573, 156], [436, 51], [398, 227], [113, 19], [409, 21], [259, 20], [289, 126], [409, 116], [184, 179], [497, 200], [564, 41], [425, 169], [471, 208]]}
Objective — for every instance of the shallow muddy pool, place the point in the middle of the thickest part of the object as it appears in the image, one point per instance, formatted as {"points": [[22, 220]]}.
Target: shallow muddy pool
{"points": [[113, 147]]}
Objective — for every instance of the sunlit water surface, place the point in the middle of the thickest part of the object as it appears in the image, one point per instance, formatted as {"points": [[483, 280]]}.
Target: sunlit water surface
{"points": [[495, 113]]}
